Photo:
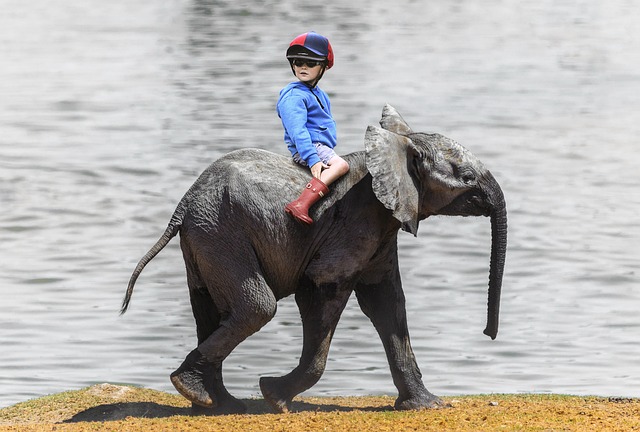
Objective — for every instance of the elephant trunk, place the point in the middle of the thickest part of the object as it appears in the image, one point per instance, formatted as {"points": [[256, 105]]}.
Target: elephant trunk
{"points": [[498, 254]]}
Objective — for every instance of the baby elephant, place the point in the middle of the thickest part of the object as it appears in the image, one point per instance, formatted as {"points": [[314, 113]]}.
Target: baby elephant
{"points": [[243, 254]]}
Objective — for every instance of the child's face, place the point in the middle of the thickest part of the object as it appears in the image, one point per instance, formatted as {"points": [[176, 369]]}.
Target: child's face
{"points": [[305, 72]]}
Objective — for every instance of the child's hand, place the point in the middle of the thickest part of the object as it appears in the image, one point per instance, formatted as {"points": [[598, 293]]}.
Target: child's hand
{"points": [[317, 168]]}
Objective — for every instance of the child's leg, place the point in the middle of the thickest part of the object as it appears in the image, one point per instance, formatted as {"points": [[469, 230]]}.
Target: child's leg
{"points": [[317, 188], [337, 168]]}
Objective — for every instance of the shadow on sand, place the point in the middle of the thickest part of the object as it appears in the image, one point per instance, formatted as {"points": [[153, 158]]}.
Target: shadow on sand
{"points": [[122, 410]]}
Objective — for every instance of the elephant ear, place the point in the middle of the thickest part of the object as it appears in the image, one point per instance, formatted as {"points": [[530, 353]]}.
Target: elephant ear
{"points": [[393, 121], [387, 158]]}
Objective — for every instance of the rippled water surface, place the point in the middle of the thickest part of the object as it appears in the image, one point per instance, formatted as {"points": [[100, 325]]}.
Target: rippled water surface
{"points": [[110, 110]]}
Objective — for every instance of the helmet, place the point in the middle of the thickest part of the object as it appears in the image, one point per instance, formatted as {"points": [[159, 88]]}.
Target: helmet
{"points": [[312, 46]]}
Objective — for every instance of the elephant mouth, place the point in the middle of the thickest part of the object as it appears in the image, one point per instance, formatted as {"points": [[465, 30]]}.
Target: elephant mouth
{"points": [[470, 203]]}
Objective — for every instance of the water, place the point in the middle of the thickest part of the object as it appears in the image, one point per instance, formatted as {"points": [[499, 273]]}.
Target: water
{"points": [[109, 111]]}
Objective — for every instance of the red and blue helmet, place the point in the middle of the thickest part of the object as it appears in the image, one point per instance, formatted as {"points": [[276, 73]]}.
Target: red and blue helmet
{"points": [[312, 46]]}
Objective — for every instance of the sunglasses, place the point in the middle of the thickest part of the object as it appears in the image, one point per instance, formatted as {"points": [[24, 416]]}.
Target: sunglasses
{"points": [[308, 63]]}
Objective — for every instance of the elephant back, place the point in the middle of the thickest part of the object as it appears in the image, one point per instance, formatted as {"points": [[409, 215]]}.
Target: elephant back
{"points": [[262, 182]]}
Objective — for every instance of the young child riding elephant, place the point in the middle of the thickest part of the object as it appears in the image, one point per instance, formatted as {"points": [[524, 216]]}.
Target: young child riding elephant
{"points": [[309, 127]]}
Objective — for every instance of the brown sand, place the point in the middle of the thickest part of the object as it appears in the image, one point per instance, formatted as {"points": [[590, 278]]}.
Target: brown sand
{"points": [[108, 407]]}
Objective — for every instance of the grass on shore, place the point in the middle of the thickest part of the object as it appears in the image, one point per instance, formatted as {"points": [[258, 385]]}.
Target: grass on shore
{"points": [[107, 407]]}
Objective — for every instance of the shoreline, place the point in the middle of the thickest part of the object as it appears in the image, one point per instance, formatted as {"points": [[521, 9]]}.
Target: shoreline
{"points": [[111, 407]]}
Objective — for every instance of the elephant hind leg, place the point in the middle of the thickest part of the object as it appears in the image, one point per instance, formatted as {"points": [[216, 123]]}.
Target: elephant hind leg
{"points": [[205, 311], [320, 309], [207, 320], [244, 303], [200, 381]]}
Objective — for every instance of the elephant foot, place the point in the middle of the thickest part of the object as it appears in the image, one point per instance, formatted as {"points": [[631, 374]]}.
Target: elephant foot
{"points": [[420, 402], [194, 378], [270, 391]]}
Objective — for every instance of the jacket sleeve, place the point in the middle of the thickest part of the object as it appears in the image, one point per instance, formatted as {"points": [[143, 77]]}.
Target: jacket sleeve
{"points": [[293, 113]]}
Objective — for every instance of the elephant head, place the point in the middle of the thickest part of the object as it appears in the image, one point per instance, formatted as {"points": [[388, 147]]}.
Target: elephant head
{"points": [[417, 175]]}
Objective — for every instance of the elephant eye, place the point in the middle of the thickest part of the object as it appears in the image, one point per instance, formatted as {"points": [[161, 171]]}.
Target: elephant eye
{"points": [[468, 177], [465, 175]]}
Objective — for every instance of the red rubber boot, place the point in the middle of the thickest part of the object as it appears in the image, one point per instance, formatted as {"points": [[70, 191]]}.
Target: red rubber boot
{"points": [[299, 209]]}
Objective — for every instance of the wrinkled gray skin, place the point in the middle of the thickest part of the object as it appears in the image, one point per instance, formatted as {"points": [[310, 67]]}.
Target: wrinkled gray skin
{"points": [[243, 254]]}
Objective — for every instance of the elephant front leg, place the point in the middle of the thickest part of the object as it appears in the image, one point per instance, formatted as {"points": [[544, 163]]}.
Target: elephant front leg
{"points": [[320, 309], [384, 304]]}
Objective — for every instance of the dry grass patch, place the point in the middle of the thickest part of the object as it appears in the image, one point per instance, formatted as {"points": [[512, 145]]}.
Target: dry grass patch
{"points": [[108, 407]]}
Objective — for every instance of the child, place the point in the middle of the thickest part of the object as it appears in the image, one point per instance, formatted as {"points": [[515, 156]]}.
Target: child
{"points": [[309, 128]]}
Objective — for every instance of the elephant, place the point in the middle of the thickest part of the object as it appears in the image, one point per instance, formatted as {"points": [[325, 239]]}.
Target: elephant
{"points": [[243, 253]]}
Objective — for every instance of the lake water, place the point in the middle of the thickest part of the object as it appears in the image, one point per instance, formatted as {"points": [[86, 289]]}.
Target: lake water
{"points": [[110, 110]]}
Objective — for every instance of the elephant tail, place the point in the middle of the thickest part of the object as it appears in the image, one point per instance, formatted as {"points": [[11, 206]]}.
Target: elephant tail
{"points": [[172, 230]]}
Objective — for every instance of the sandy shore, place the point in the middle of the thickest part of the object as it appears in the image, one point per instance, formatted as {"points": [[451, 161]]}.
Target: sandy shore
{"points": [[108, 407]]}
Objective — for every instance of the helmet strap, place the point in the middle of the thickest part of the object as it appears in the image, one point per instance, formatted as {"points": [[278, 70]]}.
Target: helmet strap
{"points": [[324, 68]]}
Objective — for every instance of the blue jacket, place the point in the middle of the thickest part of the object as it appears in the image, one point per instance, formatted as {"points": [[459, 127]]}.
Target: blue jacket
{"points": [[306, 117]]}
